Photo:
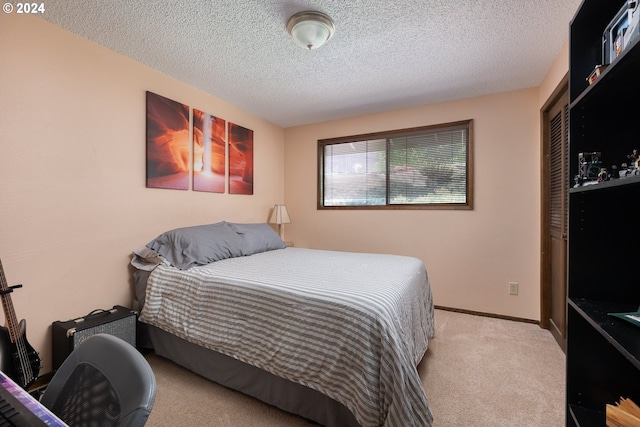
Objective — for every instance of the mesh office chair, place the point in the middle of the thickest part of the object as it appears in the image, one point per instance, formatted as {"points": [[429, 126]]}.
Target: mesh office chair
{"points": [[104, 382]]}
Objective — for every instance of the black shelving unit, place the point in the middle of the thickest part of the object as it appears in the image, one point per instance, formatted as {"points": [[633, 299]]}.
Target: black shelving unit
{"points": [[603, 352]]}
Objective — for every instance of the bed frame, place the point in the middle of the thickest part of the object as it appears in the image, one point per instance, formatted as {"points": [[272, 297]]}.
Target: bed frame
{"points": [[229, 372]]}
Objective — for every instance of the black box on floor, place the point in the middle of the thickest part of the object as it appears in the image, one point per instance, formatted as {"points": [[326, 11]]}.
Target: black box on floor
{"points": [[67, 335]]}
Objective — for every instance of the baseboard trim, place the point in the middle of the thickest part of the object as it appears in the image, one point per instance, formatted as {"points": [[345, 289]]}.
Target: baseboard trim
{"points": [[480, 313]]}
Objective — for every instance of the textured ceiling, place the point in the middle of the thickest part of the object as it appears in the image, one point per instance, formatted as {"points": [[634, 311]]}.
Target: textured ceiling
{"points": [[385, 55]]}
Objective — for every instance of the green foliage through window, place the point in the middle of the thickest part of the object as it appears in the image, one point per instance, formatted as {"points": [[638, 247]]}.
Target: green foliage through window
{"points": [[426, 167]]}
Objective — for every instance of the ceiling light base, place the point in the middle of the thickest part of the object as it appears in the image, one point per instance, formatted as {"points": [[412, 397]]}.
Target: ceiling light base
{"points": [[310, 30]]}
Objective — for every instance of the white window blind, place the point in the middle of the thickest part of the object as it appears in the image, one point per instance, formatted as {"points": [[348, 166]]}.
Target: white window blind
{"points": [[425, 167]]}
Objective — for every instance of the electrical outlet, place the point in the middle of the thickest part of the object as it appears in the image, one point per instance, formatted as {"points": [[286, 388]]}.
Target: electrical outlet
{"points": [[513, 288]]}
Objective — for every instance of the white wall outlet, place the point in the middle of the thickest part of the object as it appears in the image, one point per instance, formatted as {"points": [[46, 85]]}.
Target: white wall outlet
{"points": [[513, 288]]}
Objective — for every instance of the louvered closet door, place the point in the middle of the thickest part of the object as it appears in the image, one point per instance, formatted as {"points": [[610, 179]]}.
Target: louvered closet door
{"points": [[558, 216]]}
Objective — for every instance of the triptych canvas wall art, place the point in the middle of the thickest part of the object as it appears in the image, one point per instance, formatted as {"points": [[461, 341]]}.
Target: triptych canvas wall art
{"points": [[168, 149], [209, 152], [208, 149]]}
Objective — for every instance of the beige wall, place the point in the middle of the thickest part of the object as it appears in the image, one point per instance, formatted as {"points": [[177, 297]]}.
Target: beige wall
{"points": [[557, 72], [471, 256], [73, 202]]}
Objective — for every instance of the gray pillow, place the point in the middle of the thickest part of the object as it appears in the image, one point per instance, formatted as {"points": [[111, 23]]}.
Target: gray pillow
{"points": [[258, 237], [198, 245]]}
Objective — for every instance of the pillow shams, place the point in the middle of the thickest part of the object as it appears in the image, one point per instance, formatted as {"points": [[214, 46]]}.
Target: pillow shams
{"points": [[198, 245], [258, 237], [146, 259]]}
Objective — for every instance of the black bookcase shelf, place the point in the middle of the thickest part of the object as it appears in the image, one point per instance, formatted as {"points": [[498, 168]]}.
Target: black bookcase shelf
{"points": [[603, 351], [619, 333], [585, 417]]}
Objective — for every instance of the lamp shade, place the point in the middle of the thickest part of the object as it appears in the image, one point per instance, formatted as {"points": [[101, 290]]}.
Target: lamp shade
{"points": [[280, 215], [310, 30]]}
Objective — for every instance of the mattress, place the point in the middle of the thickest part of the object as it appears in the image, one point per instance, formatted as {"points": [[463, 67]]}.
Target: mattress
{"points": [[351, 326]]}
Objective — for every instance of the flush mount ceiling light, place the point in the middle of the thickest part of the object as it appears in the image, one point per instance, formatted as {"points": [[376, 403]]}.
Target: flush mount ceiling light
{"points": [[310, 30]]}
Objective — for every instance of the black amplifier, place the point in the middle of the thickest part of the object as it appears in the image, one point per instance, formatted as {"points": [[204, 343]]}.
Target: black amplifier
{"points": [[66, 336]]}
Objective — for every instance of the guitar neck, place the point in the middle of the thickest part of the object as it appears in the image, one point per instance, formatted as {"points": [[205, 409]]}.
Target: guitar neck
{"points": [[7, 305]]}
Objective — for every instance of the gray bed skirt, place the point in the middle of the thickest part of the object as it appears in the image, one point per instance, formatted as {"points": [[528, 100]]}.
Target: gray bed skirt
{"points": [[227, 371]]}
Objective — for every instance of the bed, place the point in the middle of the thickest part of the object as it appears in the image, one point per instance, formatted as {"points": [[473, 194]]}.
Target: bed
{"points": [[332, 336]]}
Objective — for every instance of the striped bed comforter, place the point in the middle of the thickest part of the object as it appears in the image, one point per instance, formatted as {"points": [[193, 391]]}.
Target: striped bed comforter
{"points": [[352, 326]]}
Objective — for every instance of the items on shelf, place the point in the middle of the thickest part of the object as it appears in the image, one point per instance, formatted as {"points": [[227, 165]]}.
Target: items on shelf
{"points": [[633, 167], [596, 73], [621, 31], [624, 413], [591, 171], [631, 317], [589, 168]]}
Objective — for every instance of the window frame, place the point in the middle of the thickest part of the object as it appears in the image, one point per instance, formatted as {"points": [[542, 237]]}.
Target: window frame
{"points": [[463, 124]]}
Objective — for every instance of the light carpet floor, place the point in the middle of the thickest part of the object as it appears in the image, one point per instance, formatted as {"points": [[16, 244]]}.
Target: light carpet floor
{"points": [[477, 372]]}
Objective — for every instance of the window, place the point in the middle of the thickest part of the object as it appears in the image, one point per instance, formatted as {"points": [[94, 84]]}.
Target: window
{"points": [[420, 168]]}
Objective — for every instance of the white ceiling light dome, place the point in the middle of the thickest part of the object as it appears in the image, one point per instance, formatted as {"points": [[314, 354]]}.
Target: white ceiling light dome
{"points": [[310, 30]]}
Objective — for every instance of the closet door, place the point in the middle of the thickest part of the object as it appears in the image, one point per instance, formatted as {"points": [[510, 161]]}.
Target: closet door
{"points": [[558, 217]]}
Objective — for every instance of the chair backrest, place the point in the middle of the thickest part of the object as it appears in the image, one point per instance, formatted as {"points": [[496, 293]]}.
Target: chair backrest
{"points": [[104, 382]]}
